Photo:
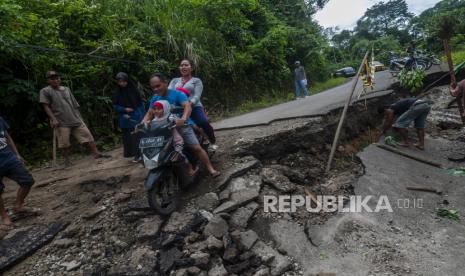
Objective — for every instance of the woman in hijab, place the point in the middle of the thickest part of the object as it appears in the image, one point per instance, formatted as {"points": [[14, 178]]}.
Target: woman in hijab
{"points": [[195, 88], [128, 103]]}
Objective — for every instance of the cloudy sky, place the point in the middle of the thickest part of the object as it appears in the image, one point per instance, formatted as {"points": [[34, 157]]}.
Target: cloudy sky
{"points": [[345, 13]]}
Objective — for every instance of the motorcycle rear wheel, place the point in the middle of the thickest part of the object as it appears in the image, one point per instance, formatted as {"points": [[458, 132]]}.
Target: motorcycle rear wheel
{"points": [[163, 198]]}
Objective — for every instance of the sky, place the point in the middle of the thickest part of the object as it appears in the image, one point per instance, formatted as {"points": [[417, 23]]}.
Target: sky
{"points": [[345, 13]]}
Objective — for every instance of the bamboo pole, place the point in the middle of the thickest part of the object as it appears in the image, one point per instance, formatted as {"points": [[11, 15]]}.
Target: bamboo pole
{"points": [[344, 113], [54, 151]]}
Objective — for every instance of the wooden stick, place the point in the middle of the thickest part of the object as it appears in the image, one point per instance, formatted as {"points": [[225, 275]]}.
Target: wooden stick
{"points": [[343, 116], [417, 158], [54, 151], [423, 189]]}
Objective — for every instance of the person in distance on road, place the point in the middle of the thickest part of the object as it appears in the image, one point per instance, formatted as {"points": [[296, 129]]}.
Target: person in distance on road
{"points": [[300, 80]]}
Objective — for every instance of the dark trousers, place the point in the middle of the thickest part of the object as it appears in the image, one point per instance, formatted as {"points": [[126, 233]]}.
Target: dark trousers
{"points": [[130, 143], [200, 118]]}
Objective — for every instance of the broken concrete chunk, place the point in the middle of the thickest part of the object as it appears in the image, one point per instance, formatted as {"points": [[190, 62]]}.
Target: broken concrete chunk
{"points": [[92, 213], [214, 243], [247, 239], [242, 215], [178, 221], [277, 180], [265, 271], [148, 228], [218, 270], [237, 170], [216, 227], [70, 266], [208, 201], [242, 191], [201, 259], [278, 262], [64, 243]]}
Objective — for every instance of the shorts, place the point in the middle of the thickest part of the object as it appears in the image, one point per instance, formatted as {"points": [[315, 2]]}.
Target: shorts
{"points": [[17, 173], [81, 133], [188, 135], [417, 112]]}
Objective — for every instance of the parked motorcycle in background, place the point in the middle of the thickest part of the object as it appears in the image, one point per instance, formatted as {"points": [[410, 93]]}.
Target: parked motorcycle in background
{"points": [[397, 64]]}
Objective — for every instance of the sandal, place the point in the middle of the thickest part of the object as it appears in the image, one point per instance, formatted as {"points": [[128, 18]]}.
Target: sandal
{"points": [[215, 174], [25, 212]]}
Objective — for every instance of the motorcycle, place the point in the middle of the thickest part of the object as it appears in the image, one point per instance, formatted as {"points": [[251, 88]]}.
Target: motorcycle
{"points": [[428, 58], [167, 165], [396, 64]]}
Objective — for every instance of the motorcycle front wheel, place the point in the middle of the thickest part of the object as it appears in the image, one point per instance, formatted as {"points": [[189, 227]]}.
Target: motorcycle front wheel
{"points": [[163, 197], [420, 65]]}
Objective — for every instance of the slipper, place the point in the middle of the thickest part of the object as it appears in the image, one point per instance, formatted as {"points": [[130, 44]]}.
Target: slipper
{"points": [[404, 145], [27, 210], [24, 213], [101, 155], [4, 229], [418, 147], [215, 174]]}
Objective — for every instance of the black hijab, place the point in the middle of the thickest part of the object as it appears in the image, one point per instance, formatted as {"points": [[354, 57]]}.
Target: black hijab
{"points": [[128, 96]]}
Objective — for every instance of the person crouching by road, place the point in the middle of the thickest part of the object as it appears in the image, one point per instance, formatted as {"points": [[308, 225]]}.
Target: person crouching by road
{"points": [[11, 166], [404, 112], [63, 112], [159, 84], [128, 103]]}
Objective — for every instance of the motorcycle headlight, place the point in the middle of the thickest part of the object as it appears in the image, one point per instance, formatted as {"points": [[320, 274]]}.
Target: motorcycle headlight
{"points": [[151, 163]]}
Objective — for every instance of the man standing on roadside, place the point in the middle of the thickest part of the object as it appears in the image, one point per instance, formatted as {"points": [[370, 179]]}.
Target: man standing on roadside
{"points": [[300, 80], [11, 166], [63, 111]]}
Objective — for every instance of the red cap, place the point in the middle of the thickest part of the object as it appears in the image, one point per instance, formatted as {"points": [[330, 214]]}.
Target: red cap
{"points": [[157, 104], [184, 90]]}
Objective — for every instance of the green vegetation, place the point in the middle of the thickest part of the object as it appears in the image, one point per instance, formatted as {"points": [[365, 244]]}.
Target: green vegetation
{"points": [[448, 213], [412, 80], [243, 51], [458, 56], [388, 26], [240, 48], [322, 86]]}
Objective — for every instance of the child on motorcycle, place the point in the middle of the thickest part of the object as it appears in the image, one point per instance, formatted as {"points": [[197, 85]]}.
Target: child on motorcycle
{"points": [[161, 112]]}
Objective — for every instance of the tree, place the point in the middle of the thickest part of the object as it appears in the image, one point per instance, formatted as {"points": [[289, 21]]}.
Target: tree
{"points": [[385, 18], [444, 26]]}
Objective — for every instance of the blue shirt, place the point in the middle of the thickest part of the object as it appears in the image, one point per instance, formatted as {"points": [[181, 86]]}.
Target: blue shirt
{"points": [[175, 98], [135, 117], [8, 158]]}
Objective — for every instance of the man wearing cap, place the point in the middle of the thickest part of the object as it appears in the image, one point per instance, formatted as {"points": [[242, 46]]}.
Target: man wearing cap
{"points": [[63, 111], [300, 80]]}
